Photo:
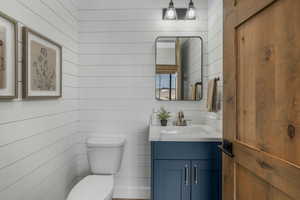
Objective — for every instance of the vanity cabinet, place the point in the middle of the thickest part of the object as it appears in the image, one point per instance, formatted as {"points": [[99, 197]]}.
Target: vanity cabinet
{"points": [[170, 180], [186, 171]]}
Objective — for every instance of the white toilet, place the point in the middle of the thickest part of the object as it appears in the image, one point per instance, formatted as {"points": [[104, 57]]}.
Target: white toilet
{"points": [[105, 156]]}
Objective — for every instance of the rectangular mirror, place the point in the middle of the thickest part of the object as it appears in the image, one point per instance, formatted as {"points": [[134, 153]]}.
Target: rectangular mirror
{"points": [[178, 67]]}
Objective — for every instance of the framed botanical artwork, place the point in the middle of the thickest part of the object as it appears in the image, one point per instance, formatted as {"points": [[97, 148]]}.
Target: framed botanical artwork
{"points": [[8, 57], [42, 66]]}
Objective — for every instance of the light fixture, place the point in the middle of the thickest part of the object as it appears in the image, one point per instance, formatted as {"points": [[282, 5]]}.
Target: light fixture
{"points": [[171, 13], [191, 11]]}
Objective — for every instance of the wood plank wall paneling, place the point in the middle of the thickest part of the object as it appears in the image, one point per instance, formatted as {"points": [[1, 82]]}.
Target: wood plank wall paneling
{"points": [[41, 150], [116, 40]]}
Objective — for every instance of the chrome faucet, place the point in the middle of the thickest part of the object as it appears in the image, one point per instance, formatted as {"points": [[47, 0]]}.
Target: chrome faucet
{"points": [[180, 119]]}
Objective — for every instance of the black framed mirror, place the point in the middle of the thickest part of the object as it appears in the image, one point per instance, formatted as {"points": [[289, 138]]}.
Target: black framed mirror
{"points": [[179, 68]]}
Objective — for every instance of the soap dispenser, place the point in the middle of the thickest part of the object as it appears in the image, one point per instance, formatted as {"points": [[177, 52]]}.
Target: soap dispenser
{"points": [[154, 118]]}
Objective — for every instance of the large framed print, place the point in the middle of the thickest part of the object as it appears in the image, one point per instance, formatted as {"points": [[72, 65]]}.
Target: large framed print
{"points": [[8, 57], [42, 66]]}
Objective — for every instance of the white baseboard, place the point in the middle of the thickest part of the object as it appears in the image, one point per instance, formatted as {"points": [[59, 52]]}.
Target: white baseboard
{"points": [[131, 192]]}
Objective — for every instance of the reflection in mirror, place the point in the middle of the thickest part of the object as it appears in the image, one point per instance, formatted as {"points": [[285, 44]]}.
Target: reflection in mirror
{"points": [[178, 68]]}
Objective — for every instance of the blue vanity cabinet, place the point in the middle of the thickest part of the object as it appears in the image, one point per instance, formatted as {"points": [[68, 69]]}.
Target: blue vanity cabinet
{"points": [[171, 179], [201, 180], [206, 180], [186, 171]]}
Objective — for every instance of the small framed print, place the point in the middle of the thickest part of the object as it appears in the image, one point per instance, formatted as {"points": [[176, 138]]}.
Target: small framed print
{"points": [[42, 66], [8, 57]]}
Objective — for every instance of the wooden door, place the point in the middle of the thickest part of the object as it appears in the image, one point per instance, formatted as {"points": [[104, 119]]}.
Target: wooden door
{"points": [[262, 99]]}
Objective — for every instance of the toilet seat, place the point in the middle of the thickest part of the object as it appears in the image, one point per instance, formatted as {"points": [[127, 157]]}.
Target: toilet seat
{"points": [[93, 187]]}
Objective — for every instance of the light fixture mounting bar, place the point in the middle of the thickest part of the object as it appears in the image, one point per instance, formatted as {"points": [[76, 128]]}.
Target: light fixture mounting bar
{"points": [[181, 13]]}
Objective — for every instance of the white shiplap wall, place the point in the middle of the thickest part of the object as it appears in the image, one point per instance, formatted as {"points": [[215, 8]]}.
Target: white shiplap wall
{"points": [[116, 45], [40, 145], [215, 53]]}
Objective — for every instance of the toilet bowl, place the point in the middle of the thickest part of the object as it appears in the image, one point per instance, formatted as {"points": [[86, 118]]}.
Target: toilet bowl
{"points": [[105, 156]]}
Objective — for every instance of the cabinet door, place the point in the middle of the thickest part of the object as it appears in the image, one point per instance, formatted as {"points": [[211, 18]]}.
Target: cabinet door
{"points": [[172, 180], [205, 180]]}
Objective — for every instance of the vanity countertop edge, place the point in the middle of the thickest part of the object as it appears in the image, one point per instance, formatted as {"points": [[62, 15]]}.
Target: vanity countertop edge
{"points": [[194, 133]]}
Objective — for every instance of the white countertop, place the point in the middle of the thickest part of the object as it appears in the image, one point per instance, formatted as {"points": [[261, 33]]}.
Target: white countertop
{"points": [[192, 133]]}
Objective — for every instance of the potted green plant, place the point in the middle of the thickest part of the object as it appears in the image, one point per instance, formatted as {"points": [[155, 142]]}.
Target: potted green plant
{"points": [[163, 115]]}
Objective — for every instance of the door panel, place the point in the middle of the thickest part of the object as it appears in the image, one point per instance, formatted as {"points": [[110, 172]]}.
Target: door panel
{"points": [[262, 99], [250, 187], [248, 8], [277, 172], [172, 180], [268, 75]]}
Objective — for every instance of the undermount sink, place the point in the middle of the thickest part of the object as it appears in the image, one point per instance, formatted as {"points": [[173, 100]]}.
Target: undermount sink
{"points": [[183, 129], [184, 133]]}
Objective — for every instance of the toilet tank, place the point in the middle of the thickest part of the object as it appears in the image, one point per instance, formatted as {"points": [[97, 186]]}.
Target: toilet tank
{"points": [[105, 154]]}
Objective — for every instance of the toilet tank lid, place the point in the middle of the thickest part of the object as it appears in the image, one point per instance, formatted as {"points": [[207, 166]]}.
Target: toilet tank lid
{"points": [[105, 142]]}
